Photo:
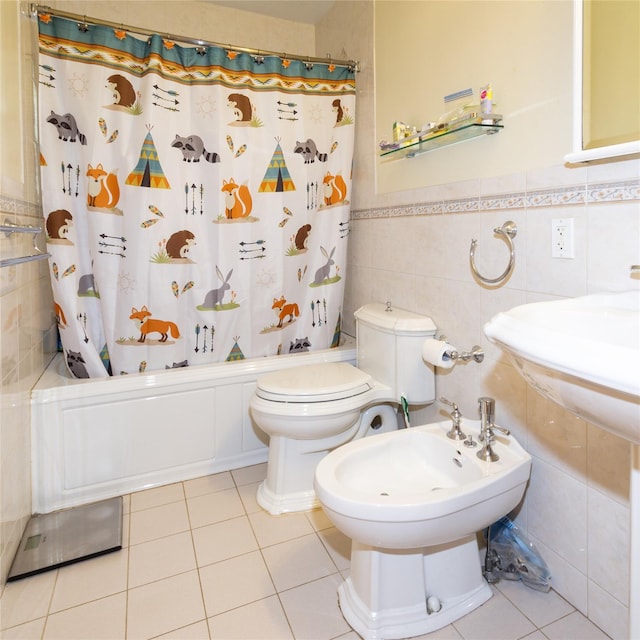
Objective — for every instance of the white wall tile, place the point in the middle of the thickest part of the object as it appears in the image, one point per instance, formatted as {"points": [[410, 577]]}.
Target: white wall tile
{"points": [[609, 464], [557, 512], [613, 241], [608, 539], [608, 613]]}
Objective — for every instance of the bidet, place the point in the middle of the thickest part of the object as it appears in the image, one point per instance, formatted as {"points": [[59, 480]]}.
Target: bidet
{"points": [[412, 502]]}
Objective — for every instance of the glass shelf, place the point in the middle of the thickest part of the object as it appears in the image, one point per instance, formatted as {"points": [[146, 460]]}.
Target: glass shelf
{"points": [[467, 130]]}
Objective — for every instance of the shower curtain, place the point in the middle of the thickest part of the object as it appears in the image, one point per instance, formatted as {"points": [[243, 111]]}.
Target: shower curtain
{"points": [[196, 198]]}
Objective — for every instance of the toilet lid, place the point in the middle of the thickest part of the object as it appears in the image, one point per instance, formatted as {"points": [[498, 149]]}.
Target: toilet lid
{"points": [[314, 383]]}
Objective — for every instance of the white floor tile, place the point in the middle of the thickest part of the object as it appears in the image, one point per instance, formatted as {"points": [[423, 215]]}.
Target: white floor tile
{"points": [[163, 606], [158, 522], [261, 620], [447, 633], [248, 496], [27, 631], [102, 619], [195, 566], [338, 547], [249, 475], [295, 562], [235, 582], [197, 631], [90, 580], [223, 540], [313, 611], [214, 507], [157, 496], [541, 608], [274, 529], [161, 558], [319, 520], [573, 627], [496, 619], [208, 484], [26, 599]]}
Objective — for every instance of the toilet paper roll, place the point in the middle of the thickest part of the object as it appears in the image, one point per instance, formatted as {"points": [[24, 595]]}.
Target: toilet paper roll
{"points": [[435, 352]]}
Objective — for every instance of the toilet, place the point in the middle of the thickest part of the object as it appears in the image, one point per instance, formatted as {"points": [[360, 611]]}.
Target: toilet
{"points": [[310, 410], [411, 502]]}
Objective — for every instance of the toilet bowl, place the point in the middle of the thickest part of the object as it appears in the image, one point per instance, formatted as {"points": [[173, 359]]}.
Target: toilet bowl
{"points": [[310, 410], [412, 502]]}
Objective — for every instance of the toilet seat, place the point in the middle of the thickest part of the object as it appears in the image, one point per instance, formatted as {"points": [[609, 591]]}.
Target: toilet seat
{"points": [[324, 382]]}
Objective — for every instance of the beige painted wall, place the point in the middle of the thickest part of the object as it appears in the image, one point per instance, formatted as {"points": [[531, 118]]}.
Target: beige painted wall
{"points": [[426, 50]]}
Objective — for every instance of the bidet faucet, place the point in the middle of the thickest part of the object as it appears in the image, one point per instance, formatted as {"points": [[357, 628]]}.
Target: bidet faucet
{"points": [[455, 433], [487, 427]]}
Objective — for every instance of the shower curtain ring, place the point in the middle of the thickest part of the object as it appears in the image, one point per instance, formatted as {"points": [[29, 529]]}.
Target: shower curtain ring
{"points": [[508, 231]]}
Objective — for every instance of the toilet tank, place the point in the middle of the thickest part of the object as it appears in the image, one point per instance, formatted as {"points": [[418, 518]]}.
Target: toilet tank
{"points": [[389, 347]]}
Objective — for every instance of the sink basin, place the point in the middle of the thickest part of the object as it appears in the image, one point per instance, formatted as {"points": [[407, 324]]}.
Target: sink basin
{"points": [[582, 353]]}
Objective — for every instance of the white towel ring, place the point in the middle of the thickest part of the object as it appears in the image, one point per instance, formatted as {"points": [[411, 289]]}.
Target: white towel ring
{"points": [[508, 231]]}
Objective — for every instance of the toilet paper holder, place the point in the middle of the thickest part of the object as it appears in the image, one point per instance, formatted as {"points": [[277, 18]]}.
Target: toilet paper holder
{"points": [[476, 352]]}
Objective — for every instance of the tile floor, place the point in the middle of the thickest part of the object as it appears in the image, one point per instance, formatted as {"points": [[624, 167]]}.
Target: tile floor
{"points": [[201, 560]]}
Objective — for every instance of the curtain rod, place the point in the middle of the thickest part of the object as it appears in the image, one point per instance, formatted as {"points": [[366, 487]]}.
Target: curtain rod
{"points": [[352, 65]]}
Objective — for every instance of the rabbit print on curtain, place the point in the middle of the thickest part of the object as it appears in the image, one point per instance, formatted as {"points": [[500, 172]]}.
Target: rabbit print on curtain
{"points": [[196, 199]]}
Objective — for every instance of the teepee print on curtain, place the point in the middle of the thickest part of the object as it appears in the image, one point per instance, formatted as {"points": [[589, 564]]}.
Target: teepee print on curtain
{"points": [[196, 200]]}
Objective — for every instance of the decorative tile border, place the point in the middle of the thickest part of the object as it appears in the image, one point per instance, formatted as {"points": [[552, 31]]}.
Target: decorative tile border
{"points": [[628, 190], [623, 191], [15, 207]]}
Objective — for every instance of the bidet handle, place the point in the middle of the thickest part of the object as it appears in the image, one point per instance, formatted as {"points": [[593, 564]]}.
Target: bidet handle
{"points": [[455, 433], [502, 430]]}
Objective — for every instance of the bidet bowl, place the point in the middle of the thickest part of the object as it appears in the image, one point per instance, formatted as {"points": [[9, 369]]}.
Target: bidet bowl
{"points": [[415, 487]]}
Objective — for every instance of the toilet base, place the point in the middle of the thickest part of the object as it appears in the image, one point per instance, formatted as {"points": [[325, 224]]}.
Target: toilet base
{"points": [[279, 503], [386, 595], [292, 462]]}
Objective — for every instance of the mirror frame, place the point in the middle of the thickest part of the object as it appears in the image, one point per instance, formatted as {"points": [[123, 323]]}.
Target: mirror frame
{"points": [[579, 154]]}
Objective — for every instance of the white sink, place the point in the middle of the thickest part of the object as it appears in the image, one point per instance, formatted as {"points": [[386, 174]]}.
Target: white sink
{"points": [[582, 353]]}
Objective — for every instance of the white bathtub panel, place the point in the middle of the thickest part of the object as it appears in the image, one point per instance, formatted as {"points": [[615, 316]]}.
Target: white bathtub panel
{"points": [[96, 439], [117, 439], [252, 437], [228, 432]]}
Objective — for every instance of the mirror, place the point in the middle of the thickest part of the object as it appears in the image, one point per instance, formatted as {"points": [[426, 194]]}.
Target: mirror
{"points": [[606, 79]]}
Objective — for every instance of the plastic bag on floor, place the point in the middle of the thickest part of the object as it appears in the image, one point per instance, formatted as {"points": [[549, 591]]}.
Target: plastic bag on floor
{"points": [[510, 555]]}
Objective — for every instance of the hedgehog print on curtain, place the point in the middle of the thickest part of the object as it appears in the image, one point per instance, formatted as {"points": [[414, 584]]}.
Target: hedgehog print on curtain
{"points": [[196, 199]]}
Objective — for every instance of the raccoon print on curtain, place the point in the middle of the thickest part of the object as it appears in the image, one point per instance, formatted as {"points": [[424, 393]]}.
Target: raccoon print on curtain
{"points": [[196, 199]]}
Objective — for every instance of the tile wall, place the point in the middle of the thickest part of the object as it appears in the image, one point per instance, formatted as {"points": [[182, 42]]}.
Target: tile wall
{"points": [[412, 247], [577, 506], [27, 326], [27, 342]]}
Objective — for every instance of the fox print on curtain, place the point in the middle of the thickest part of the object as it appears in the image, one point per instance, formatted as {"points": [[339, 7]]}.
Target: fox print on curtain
{"points": [[196, 199]]}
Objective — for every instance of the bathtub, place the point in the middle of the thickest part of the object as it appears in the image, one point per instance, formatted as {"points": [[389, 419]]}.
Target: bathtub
{"points": [[100, 438]]}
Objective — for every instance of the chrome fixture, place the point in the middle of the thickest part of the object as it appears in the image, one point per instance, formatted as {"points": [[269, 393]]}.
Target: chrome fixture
{"points": [[508, 231], [476, 352], [455, 433], [487, 426], [9, 228]]}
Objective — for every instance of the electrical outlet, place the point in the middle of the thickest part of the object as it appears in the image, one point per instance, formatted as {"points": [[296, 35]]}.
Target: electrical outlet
{"points": [[562, 238]]}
